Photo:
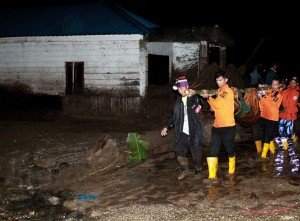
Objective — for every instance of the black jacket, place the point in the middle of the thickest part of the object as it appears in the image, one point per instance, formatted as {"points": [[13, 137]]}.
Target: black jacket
{"points": [[196, 128]]}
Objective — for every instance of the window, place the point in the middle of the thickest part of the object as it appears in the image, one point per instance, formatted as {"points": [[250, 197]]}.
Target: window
{"points": [[74, 77]]}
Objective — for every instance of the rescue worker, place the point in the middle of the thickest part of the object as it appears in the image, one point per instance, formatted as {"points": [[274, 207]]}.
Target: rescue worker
{"points": [[288, 114], [224, 126], [269, 115]]}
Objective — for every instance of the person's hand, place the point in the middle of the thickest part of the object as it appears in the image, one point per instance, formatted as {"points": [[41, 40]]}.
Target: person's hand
{"points": [[191, 92], [204, 95], [163, 132], [282, 87]]}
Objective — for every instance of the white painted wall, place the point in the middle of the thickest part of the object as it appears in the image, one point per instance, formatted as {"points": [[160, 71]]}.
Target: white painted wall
{"points": [[183, 56], [160, 48], [111, 62]]}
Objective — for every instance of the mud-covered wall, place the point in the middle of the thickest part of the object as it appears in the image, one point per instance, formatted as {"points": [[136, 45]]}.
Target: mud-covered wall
{"points": [[101, 105], [156, 105], [111, 62], [183, 57]]}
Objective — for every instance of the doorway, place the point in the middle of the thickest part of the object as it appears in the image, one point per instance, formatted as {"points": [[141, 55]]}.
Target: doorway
{"points": [[214, 55], [158, 69]]}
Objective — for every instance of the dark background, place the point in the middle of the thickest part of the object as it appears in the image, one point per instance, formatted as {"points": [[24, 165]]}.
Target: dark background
{"points": [[266, 32]]}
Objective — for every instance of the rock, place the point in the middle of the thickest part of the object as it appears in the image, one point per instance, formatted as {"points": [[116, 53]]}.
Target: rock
{"points": [[103, 153]]}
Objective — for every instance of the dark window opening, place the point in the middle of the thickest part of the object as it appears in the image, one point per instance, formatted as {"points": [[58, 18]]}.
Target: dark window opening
{"points": [[74, 77]]}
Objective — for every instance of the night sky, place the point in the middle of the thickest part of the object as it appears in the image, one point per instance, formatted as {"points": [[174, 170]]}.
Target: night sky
{"points": [[250, 22]]}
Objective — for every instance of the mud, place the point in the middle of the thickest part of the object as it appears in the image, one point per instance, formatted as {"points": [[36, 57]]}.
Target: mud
{"points": [[267, 190]]}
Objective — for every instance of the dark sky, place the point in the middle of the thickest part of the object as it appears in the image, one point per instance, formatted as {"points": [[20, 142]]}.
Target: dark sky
{"points": [[250, 22]]}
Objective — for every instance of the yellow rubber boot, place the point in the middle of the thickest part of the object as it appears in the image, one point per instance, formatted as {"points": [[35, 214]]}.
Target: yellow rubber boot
{"points": [[212, 163], [295, 138], [231, 165], [272, 146], [258, 145], [265, 150], [284, 142]]}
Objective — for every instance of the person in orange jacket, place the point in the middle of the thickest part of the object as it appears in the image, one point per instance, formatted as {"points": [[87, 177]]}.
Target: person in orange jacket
{"points": [[224, 126], [269, 116], [288, 114]]}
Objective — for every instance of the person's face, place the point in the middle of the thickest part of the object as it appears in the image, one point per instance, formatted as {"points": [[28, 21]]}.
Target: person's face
{"points": [[183, 91], [275, 84], [221, 81], [293, 84]]}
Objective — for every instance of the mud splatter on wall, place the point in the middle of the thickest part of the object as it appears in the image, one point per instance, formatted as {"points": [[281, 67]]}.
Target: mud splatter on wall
{"points": [[186, 56]]}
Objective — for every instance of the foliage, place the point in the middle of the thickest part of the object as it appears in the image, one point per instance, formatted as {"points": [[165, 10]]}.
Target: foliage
{"points": [[138, 148], [242, 90], [144, 41], [209, 91]]}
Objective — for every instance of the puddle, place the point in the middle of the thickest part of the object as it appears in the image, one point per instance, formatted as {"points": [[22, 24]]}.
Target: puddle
{"points": [[24, 204]]}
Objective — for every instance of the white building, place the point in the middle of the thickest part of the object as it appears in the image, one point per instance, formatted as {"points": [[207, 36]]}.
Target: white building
{"points": [[96, 56]]}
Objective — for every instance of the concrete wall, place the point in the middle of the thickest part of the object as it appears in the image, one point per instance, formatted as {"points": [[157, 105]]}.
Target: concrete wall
{"points": [[101, 106], [112, 63], [183, 56]]}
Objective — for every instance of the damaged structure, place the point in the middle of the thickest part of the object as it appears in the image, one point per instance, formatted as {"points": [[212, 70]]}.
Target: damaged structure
{"points": [[190, 49], [98, 57]]}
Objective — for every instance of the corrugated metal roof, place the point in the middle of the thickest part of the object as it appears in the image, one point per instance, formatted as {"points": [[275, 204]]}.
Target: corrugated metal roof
{"points": [[98, 18]]}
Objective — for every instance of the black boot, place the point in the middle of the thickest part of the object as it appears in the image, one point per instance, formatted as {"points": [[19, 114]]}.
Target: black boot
{"points": [[184, 173], [198, 170], [183, 162]]}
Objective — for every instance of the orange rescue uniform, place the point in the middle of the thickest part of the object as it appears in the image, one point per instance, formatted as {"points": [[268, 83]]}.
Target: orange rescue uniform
{"points": [[269, 105], [290, 98], [223, 106]]}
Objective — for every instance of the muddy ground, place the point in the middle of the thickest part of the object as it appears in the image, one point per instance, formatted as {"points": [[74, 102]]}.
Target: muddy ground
{"points": [[80, 169]]}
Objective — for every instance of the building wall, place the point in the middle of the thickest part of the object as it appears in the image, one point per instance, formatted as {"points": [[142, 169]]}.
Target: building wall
{"points": [[112, 63], [162, 48], [102, 106], [183, 56]]}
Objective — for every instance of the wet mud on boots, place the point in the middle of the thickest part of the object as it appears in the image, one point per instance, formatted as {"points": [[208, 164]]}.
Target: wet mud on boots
{"points": [[198, 171], [184, 165], [212, 163], [258, 145]]}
